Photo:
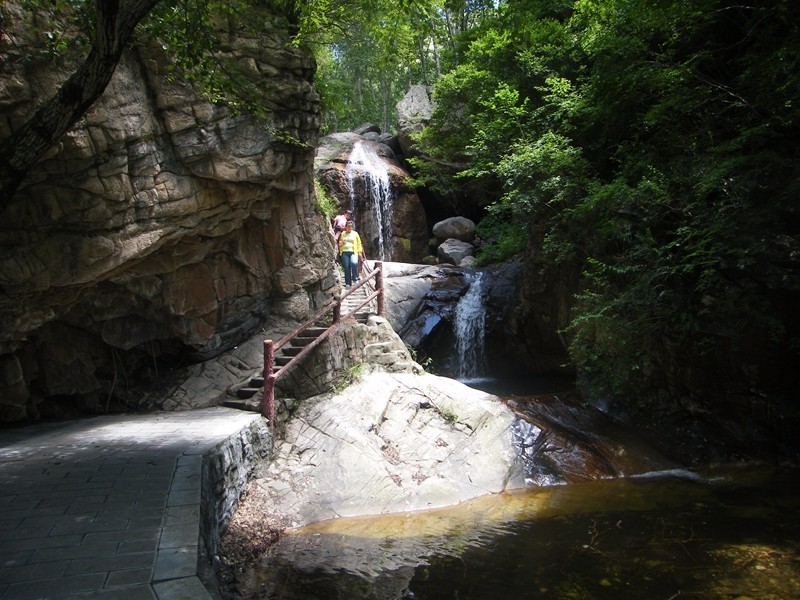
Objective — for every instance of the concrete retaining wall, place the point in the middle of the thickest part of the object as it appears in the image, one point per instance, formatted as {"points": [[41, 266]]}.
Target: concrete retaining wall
{"points": [[227, 468]]}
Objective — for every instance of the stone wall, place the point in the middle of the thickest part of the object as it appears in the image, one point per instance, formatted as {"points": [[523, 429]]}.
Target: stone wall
{"points": [[162, 229], [226, 471], [352, 348]]}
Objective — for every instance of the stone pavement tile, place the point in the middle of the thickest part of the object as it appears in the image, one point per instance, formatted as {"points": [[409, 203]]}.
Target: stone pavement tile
{"points": [[181, 514], [153, 499], [17, 545], [83, 551], [136, 546], [175, 563], [24, 511], [137, 592], [128, 577], [180, 535], [181, 589], [34, 571], [91, 526], [98, 564], [24, 533], [56, 587], [143, 534], [145, 523], [183, 497], [16, 558]]}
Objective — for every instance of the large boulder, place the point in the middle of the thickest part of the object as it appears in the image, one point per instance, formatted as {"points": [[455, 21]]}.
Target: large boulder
{"points": [[160, 230], [458, 228], [390, 443], [454, 251], [413, 113]]}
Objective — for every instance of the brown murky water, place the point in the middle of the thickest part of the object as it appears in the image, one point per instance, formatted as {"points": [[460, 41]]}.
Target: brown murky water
{"points": [[729, 534]]}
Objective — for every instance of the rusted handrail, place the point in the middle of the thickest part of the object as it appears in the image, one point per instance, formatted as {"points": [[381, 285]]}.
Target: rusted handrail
{"points": [[310, 323], [271, 375]]}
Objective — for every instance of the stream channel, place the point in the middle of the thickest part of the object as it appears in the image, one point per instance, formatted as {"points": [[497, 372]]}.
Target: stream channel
{"points": [[730, 532]]}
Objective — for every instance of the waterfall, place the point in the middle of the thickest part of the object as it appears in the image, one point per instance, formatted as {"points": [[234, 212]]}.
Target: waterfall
{"points": [[469, 329], [364, 163]]}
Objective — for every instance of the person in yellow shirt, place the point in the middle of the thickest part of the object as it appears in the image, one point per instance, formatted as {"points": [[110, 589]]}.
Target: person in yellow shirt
{"points": [[350, 250]]}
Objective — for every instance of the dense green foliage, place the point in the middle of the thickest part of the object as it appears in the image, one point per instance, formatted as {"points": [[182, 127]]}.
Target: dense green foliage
{"points": [[658, 145], [369, 52]]}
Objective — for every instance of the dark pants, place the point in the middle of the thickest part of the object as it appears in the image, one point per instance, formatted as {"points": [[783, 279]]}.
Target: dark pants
{"points": [[350, 266]]}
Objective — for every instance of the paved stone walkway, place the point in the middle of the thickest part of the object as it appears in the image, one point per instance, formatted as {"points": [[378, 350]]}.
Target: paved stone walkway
{"points": [[107, 507]]}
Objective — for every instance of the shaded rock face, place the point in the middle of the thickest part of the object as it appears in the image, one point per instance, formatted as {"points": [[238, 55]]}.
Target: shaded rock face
{"points": [[161, 229], [528, 312], [421, 306], [408, 236]]}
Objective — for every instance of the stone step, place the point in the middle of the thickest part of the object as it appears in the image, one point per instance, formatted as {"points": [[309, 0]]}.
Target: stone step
{"points": [[243, 393], [303, 340], [242, 405]]}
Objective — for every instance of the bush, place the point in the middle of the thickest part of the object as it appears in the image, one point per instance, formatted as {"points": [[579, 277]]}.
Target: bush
{"points": [[502, 234]]}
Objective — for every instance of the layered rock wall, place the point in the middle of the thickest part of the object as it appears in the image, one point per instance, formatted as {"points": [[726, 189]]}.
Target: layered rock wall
{"points": [[160, 229]]}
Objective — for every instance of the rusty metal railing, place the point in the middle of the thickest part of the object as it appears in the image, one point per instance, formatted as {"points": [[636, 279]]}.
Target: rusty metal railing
{"points": [[271, 374]]}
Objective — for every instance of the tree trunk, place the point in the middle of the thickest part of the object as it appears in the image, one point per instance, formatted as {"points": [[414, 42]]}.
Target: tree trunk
{"points": [[116, 21]]}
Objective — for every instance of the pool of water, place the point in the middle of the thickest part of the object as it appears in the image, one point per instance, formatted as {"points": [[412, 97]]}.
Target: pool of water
{"points": [[732, 533]]}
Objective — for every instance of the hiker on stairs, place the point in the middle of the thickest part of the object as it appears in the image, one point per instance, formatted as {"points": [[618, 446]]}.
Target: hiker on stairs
{"points": [[350, 250]]}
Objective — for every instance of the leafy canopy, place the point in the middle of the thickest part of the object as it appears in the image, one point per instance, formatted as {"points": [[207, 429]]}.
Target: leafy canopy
{"points": [[655, 146]]}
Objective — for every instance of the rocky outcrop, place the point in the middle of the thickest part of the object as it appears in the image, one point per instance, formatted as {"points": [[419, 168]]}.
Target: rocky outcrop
{"points": [[160, 230], [390, 443], [421, 303], [453, 251], [413, 113], [388, 212]]}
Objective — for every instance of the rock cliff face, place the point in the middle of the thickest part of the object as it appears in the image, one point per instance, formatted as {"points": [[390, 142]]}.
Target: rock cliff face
{"points": [[401, 225], [161, 229]]}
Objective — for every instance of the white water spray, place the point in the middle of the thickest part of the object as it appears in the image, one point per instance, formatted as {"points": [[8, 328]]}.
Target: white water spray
{"points": [[469, 326], [365, 163]]}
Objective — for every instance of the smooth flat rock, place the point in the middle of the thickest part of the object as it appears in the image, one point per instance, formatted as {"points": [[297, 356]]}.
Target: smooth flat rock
{"points": [[392, 442]]}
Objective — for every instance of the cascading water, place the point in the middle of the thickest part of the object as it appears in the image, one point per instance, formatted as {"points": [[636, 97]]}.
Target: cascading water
{"points": [[364, 163], [470, 317]]}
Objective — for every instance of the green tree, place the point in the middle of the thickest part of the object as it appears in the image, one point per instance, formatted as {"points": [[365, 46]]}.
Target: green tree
{"points": [[657, 145], [114, 23]]}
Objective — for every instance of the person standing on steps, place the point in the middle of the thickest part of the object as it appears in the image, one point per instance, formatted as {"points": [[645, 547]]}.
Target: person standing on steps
{"points": [[350, 251], [339, 223]]}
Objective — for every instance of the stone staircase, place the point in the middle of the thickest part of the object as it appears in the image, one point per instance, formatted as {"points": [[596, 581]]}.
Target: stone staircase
{"points": [[248, 395], [351, 303]]}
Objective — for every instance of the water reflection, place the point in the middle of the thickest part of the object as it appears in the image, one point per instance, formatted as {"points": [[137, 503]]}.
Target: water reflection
{"points": [[719, 535]]}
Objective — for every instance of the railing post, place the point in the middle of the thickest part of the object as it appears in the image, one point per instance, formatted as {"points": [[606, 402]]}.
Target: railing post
{"points": [[337, 311], [379, 285], [268, 401]]}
